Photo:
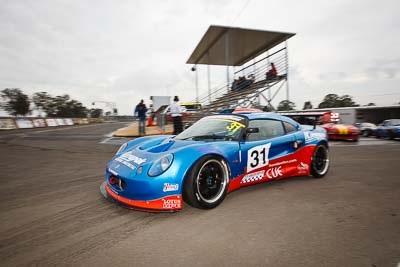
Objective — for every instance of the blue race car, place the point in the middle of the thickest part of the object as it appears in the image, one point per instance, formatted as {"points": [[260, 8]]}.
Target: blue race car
{"points": [[389, 129], [216, 155]]}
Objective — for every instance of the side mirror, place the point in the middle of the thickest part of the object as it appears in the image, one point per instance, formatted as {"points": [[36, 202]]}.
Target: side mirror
{"points": [[252, 130]]}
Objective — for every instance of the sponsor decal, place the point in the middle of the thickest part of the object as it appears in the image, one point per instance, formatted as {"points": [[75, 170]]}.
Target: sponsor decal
{"points": [[113, 172], [24, 123], [126, 163], [257, 157], [172, 203], [251, 177], [311, 137], [60, 122], [132, 158], [51, 122], [283, 162], [39, 123], [170, 187], [303, 167], [234, 126], [274, 173], [7, 124], [69, 121], [334, 116]]}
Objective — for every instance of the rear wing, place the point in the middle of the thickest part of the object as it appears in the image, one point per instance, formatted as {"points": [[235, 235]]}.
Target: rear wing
{"points": [[312, 117]]}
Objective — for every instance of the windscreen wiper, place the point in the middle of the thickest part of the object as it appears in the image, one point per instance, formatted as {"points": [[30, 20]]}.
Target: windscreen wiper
{"points": [[205, 136]]}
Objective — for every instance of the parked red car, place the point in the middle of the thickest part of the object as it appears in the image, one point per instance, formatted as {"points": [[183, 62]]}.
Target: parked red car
{"points": [[329, 121]]}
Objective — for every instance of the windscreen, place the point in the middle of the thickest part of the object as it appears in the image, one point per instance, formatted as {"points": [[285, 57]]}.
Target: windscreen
{"points": [[220, 127]]}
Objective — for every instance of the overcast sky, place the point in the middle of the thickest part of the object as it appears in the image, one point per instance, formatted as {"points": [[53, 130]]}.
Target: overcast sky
{"points": [[126, 50]]}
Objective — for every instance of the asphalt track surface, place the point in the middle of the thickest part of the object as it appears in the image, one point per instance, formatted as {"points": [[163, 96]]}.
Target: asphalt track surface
{"points": [[52, 213]]}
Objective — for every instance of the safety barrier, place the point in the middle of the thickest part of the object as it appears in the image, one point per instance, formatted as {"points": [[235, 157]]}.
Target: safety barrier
{"points": [[28, 123]]}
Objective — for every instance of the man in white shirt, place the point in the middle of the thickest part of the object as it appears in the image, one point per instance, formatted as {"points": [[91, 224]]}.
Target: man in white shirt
{"points": [[176, 111]]}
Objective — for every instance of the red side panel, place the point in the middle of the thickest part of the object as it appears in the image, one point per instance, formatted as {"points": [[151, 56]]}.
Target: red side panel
{"points": [[295, 164]]}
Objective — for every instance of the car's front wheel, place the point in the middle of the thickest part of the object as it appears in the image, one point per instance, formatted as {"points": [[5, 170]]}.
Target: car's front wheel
{"points": [[320, 161], [392, 135], [206, 184]]}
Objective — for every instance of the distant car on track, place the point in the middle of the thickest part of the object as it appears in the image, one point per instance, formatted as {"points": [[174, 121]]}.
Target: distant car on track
{"points": [[366, 128], [341, 131], [388, 129], [216, 155], [329, 121]]}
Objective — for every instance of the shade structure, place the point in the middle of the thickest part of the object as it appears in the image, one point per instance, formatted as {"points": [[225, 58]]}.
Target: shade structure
{"points": [[230, 46]]}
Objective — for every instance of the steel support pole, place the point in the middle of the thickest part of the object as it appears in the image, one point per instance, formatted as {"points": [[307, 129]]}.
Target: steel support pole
{"points": [[287, 70], [269, 90], [197, 85], [209, 84], [227, 52]]}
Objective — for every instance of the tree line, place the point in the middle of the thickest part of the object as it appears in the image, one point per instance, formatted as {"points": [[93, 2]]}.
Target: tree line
{"points": [[16, 103], [329, 101]]}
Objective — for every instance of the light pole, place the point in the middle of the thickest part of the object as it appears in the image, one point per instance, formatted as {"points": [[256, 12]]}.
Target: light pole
{"points": [[108, 104], [194, 68]]}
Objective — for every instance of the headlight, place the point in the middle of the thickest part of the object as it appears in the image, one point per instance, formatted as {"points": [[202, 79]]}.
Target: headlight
{"points": [[122, 148], [161, 165]]}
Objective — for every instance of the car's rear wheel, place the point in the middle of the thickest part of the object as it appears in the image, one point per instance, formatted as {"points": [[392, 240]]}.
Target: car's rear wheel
{"points": [[207, 183], [320, 161]]}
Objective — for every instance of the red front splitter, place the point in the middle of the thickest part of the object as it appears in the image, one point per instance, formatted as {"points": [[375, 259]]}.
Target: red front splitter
{"points": [[165, 204]]}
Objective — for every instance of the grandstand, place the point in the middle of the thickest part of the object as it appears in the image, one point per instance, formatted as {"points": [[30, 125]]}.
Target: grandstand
{"points": [[249, 52]]}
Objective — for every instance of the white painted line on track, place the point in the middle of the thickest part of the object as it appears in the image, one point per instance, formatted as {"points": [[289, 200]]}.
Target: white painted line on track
{"points": [[364, 142], [111, 139], [50, 130]]}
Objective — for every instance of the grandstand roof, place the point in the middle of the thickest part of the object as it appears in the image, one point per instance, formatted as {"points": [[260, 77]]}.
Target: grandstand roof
{"points": [[223, 45]]}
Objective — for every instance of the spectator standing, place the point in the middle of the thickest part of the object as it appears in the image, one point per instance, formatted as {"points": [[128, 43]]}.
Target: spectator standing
{"points": [[140, 112], [176, 114]]}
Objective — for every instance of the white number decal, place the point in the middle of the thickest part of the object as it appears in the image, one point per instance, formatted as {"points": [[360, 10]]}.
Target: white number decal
{"points": [[257, 157]]}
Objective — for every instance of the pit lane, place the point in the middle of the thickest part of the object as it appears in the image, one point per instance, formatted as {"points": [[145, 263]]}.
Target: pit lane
{"points": [[52, 212]]}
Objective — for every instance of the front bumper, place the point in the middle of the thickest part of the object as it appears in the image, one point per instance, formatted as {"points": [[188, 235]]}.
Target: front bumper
{"points": [[166, 204]]}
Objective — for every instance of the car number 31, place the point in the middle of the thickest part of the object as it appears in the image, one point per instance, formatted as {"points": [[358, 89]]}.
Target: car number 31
{"points": [[257, 157]]}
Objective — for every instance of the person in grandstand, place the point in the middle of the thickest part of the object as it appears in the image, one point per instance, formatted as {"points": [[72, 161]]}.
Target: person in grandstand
{"points": [[272, 73]]}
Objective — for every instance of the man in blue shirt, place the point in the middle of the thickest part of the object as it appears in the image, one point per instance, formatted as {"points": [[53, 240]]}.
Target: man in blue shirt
{"points": [[140, 111]]}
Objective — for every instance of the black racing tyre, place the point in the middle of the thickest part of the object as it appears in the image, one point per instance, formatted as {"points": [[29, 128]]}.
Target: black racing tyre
{"points": [[206, 184], [364, 133], [391, 135], [320, 161]]}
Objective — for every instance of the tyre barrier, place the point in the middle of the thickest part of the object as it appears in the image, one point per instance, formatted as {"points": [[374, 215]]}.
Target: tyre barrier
{"points": [[28, 123]]}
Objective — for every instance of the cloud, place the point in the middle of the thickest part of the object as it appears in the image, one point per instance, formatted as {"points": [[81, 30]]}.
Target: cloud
{"points": [[128, 50], [384, 68]]}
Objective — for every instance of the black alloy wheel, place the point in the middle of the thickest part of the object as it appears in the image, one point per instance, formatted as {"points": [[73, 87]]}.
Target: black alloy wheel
{"points": [[320, 161], [207, 183]]}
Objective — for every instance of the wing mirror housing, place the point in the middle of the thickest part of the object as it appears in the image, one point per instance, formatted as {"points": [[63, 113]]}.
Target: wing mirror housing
{"points": [[252, 130], [249, 131]]}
